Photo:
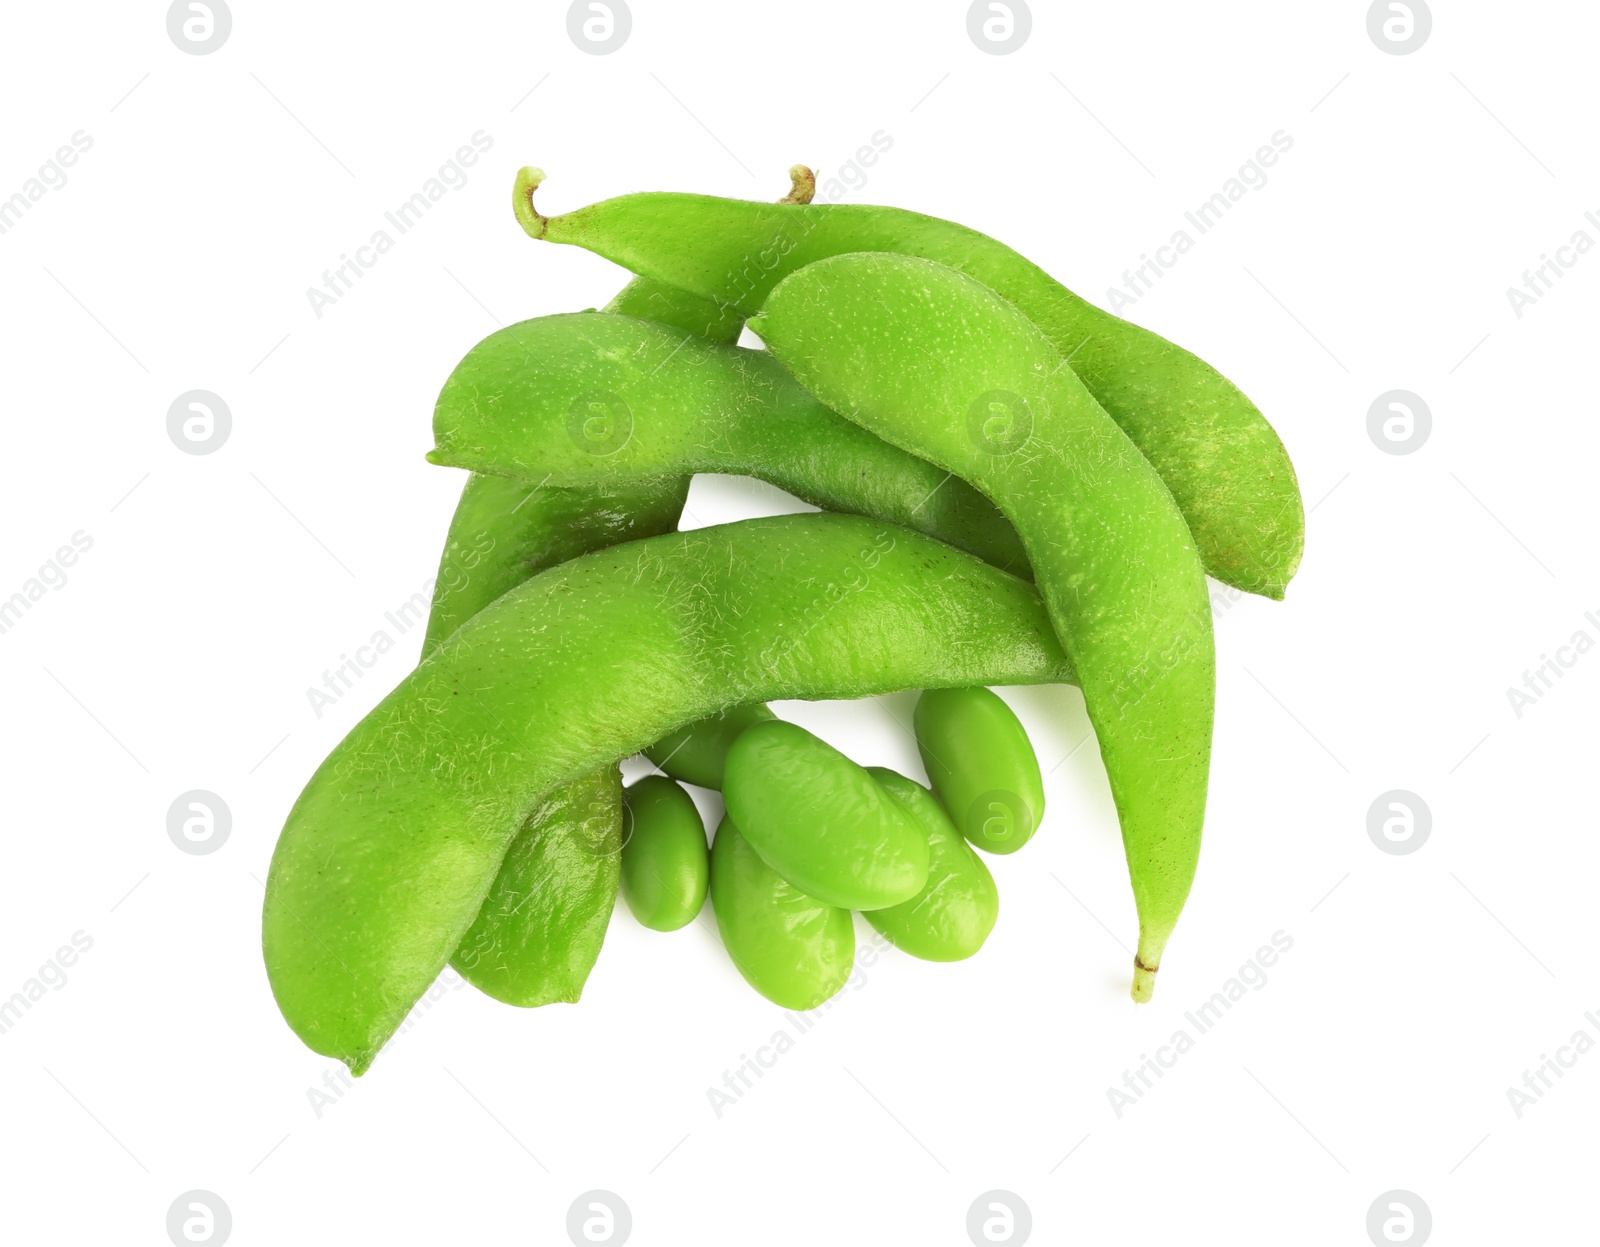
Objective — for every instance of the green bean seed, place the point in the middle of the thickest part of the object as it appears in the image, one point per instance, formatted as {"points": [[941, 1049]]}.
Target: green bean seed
{"points": [[696, 754], [795, 950], [981, 766], [821, 821], [664, 861], [955, 911]]}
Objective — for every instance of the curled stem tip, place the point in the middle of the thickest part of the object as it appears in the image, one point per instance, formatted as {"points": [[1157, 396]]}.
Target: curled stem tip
{"points": [[528, 179], [802, 185]]}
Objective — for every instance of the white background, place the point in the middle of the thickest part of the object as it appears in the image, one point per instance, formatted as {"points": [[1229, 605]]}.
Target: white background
{"points": [[178, 653]]}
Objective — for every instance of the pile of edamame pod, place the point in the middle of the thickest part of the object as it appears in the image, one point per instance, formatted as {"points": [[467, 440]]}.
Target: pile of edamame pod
{"points": [[1015, 488]]}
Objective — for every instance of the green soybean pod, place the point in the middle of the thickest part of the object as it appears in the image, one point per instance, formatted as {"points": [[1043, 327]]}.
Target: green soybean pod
{"points": [[539, 930], [936, 362], [981, 765], [955, 911], [614, 400], [821, 821], [664, 862], [795, 950], [696, 754]]}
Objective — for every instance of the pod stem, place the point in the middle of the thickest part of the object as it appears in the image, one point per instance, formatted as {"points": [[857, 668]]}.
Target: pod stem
{"points": [[1144, 981], [528, 180], [1146, 962], [802, 185]]}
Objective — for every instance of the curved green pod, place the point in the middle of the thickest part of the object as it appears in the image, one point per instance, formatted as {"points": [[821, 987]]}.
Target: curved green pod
{"points": [[953, 914], [539, 930], [981, 765], [795, 950], [1222, 461], [697, 754], [821, 821], [664, 864], [616, 400], [929, 358], [390, 850], [506, 529]]}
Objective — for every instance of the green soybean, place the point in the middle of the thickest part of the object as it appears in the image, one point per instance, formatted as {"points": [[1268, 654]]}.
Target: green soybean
{"points": [[539, 930], [821, 821], [664, 861], [390, 850], [697, 754], [616, 400], [953, 914], [1222, 461], [981, 765], [932, 360], [792, 948]]}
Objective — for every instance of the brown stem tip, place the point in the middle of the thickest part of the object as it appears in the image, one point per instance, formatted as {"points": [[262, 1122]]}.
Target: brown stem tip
{"points": [[802, 185]]}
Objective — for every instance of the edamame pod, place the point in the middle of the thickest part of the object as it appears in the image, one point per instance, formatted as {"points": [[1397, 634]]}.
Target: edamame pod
{"points": [[696, 754], [539, 930], [981, 766], [1217, 454], [389, 851], [821, 821], [795, 950], [932, 360], [614, 399], [955, 911], [664, 861], [506, 529]]}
